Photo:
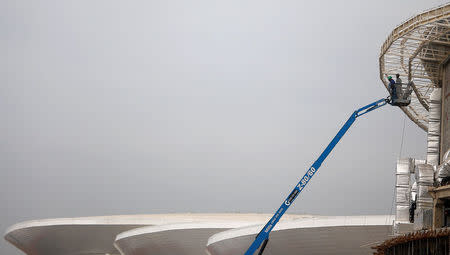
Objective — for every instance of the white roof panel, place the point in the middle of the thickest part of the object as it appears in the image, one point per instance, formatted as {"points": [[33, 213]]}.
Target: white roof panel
{"points": [[313, 236]]}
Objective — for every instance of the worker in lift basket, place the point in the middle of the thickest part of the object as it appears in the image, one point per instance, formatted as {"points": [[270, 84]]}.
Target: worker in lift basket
{"points": [[392, 87], [398, 85], [397, 79]]}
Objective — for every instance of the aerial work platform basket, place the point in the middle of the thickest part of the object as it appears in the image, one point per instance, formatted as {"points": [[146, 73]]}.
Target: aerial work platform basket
{"points": [[402, 96]]}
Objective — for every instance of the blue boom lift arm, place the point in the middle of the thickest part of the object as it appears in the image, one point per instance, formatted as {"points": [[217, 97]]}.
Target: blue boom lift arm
{"points": [[263, 236]]}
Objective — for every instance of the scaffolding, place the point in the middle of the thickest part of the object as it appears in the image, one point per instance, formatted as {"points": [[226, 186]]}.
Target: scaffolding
{"points": [[417, 50]]}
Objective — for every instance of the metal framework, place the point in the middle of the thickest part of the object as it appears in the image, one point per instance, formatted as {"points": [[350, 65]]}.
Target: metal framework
{"points": [[416, 50]]}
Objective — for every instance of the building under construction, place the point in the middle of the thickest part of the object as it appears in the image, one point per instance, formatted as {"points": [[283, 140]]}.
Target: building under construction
{"points": [[419, 51]]}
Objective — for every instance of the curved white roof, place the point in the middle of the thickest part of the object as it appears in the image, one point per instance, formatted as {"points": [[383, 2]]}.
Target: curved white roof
{"points": [[317, 235], [96, 235], [184, 238], [193, 233]]}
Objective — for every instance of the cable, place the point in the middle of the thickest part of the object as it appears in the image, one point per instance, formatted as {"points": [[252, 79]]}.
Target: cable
{"points": [[392, 206], [403, 136], [399, 156]]}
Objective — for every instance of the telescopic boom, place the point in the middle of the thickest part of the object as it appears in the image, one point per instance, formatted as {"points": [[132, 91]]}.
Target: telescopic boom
{"points": [[263, 236]]}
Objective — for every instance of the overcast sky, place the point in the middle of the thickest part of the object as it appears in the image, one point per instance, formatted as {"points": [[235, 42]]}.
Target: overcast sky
{"points": [[139, 107]]}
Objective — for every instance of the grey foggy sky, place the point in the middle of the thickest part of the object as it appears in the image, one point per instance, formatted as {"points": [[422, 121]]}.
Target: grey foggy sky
{"points": [[138, 107]]}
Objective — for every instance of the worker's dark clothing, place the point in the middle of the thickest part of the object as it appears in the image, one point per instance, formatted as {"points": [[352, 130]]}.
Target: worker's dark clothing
{"points": [[392, 87]]}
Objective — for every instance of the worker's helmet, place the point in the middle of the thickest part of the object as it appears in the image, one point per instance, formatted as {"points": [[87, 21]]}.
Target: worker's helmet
{"points": [[389, 77]]}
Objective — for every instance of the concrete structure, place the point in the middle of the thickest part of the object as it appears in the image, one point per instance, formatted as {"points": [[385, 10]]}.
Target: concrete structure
{"points": [[445, 128]]}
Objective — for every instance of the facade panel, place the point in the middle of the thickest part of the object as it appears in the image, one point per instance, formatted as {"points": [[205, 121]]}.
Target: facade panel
{"points": [[445, 128]]}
